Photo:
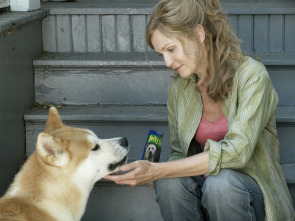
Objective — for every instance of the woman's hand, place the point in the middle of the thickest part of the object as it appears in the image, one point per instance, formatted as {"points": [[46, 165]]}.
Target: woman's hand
{"points": [[138, 172], [145, 172]]}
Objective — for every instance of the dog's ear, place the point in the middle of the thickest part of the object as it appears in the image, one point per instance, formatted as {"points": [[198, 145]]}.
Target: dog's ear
{"points": [[53, 120], [51, 151]]}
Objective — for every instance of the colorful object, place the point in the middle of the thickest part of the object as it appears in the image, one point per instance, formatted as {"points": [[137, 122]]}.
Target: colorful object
{"points": [[152, 149]]}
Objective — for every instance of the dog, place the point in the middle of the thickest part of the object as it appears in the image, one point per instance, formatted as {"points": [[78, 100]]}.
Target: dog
{"points": [[55, 182], [151, 153]]}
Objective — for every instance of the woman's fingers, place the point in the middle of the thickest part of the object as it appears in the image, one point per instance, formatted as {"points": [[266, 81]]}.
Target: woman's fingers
{"points": [[122, 179], [131, 166], [138, 174]]}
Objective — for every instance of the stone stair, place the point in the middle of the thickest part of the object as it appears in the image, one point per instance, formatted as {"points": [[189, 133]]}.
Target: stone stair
{"points": [[97, 68]]}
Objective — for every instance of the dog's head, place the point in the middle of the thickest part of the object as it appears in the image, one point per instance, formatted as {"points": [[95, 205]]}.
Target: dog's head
{"points": [[79, 152], [150, 152], [151, 148]]}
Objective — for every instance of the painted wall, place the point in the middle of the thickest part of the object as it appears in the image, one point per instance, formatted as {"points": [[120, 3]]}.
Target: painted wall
{"points": [[18, 47]]}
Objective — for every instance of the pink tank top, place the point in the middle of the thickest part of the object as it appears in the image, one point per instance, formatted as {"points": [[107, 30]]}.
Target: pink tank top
{"points": [[213, 131]]}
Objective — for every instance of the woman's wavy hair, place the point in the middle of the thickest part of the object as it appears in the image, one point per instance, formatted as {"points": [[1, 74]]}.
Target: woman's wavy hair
{"points": [[179, 18]]}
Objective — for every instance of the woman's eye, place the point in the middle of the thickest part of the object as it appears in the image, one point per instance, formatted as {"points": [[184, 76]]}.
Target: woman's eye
{"points": [[96, 147], [171, 49]]}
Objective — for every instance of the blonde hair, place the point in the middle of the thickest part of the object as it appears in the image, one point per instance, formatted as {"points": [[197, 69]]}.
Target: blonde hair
{"points": [[179, 18]]}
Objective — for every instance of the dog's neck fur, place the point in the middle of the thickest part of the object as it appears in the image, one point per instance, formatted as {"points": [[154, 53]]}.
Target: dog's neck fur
{"points": [[72, 200]]}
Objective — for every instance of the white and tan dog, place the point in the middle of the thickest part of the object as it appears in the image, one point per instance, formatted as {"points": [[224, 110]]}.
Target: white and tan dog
{"points": [[56, 180]]}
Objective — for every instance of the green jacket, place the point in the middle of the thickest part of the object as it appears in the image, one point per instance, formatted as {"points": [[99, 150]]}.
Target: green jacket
{"points": [[250, 146]]}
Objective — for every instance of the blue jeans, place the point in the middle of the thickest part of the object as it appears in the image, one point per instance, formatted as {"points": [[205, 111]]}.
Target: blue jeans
{"points": [[229, 195]]}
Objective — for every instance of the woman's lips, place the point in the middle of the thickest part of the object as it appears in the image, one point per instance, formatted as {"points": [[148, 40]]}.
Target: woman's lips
{"points": [[177, 69]]}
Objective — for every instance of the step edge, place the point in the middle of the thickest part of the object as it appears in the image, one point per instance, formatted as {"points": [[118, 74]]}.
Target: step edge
{"points": [[288, 171], [102, 59], [127, 59], [284, 114], [118, 113], [15, 20]]}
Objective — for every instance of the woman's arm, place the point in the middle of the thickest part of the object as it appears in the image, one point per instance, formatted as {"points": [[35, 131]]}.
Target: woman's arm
{"points": [[256, 103], [142, 172]]}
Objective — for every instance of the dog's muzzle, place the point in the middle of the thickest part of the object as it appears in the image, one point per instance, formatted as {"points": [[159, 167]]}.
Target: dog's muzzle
{"points": [[124, 144], [113, 166]]}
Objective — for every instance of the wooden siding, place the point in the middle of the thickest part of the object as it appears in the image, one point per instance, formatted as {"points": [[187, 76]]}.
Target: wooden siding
{"points": [[126, 33]]}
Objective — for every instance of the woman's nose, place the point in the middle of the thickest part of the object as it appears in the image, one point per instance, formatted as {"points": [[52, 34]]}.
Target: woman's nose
{"points": [[168, 61]]}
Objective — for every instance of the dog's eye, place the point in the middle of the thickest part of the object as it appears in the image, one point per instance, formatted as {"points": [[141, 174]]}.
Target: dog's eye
{"points": [[96, 147]]}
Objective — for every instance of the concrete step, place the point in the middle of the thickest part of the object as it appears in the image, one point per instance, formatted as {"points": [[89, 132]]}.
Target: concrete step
{"points": [[130, 78], [119, 25], [101, 78], [4, 3], [111, 202], [12, 21]]}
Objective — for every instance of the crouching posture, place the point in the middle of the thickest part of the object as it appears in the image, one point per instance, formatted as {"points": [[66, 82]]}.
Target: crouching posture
{"points": [[224, 163]]}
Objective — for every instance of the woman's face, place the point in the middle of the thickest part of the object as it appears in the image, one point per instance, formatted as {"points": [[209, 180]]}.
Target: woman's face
{"points": [[174, 55]]}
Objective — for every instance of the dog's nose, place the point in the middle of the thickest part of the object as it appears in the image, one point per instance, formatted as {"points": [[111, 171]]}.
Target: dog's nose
{"points": [[124, 142]]}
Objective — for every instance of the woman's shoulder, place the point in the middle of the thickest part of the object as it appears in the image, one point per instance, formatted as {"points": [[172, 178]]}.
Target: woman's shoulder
{"points": [[247, 60], [178, 83], [250, 68]]}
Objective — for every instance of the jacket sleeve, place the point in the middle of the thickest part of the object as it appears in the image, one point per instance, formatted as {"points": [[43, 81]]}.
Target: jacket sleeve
{"points": [[256, 103], [176, 151]]}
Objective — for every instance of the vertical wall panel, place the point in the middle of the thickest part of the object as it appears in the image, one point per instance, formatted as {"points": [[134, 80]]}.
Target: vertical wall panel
{"points": [[245, 32], [63, 33], [123, 33], [138, 32], [108, 33], [49, 34], [79, 33], [290, 33], [276, 33], [148, 48], [93, 33], [233, 19], [261, 33]]}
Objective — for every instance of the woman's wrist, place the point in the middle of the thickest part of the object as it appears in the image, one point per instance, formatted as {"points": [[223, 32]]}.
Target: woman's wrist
{"points": [[191, 166], [161, 170]]}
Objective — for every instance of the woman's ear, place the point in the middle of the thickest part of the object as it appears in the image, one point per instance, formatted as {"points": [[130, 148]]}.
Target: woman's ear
{"points": [[199, 29]]}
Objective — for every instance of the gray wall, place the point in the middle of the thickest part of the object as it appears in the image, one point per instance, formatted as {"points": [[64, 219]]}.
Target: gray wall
{"points": [[18, 48]]}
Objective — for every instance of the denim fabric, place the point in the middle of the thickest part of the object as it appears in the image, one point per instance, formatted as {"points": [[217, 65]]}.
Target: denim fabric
{"points": [[230, 195]]}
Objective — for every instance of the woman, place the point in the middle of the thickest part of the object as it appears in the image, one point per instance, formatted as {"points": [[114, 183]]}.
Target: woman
{"points": [[221, 113]]}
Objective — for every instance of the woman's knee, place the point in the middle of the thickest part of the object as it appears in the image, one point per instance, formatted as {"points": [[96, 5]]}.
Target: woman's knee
{"points": [[220, 183], [230, 191], [227, 180], [230, 185]]}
